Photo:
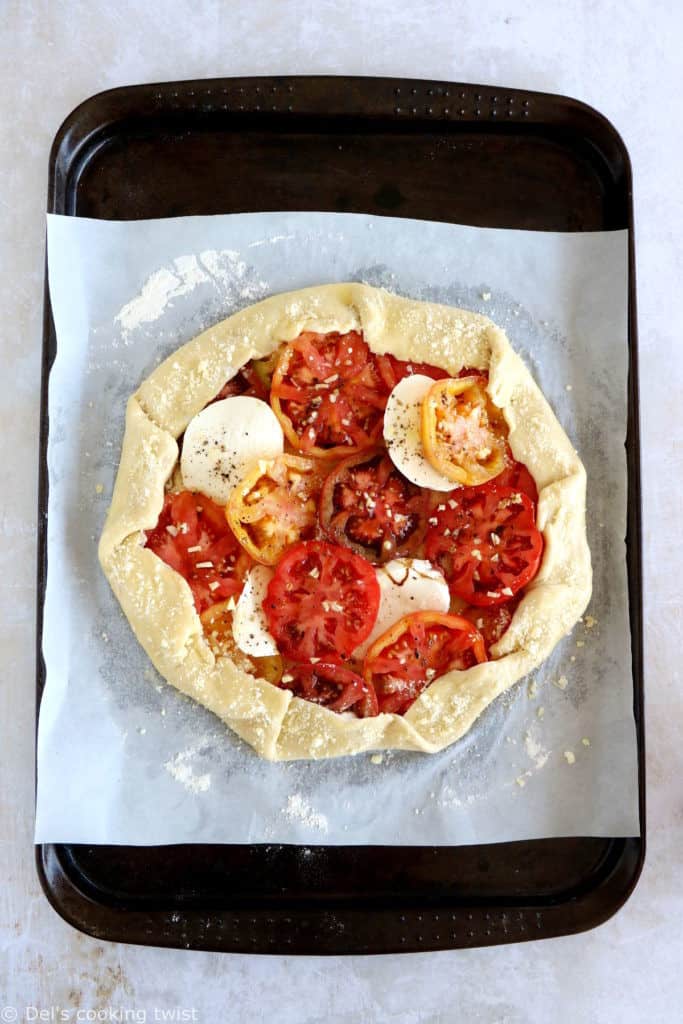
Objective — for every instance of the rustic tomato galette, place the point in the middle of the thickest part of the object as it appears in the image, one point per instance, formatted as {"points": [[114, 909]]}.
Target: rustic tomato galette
{"points": [[345, 520]]}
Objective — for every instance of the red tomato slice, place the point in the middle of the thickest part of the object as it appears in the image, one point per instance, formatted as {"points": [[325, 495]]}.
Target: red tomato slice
{"points": [[253, 379], [193, 537], [418, 649], [328, 394], [245, 382], [321, 602], [370, 507], [394, 370], [333, 686], [493, 621], [518, 477], [485, 541]]}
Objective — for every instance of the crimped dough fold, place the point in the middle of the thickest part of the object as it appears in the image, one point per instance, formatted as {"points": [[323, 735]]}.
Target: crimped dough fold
{"points": [[158, 601]]}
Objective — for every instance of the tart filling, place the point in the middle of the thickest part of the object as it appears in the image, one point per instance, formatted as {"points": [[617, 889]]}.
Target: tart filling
{"points": [[337, 548]]}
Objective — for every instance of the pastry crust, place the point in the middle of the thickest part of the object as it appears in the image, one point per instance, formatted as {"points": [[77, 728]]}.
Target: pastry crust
{"points": [[158, 601]]}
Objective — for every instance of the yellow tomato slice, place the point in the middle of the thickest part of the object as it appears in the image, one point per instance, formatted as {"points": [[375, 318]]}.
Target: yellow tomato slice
{"points": [[217, 623], [463, 432], [275, 506]]}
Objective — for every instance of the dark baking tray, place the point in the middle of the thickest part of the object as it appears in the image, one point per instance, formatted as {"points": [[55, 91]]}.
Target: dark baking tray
{"points": [[435, 150]]}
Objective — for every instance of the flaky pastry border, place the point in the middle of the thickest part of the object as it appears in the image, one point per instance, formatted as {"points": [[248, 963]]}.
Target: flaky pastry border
{"points": [[158, 602]]}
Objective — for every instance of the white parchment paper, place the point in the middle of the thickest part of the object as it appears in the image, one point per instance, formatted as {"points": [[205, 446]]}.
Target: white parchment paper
{"points": [[123, 757]]}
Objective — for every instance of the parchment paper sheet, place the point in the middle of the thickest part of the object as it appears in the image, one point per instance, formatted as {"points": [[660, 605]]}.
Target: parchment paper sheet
{"points": [[124, 758]]}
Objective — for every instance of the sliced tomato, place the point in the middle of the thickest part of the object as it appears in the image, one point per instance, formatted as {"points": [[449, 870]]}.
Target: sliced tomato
{"points": [[369, 506], [463, 432], [493, 621], [485, 541], [245, 382], [333, 686], [418, 649], [328, 394], [253, 379], [394, 370], [217, 623], [275, 506], [193, 537], [518, 477], [322, 602]]}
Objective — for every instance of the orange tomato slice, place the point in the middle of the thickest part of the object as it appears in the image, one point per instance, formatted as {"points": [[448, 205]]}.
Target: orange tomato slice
{"points": [[275, 506], [217, 623], [463, 432]]}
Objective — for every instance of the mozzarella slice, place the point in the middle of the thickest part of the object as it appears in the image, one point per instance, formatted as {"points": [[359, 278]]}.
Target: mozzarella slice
{"points": [[249, 623], [224, 440], [406, 585], [402, 433]]}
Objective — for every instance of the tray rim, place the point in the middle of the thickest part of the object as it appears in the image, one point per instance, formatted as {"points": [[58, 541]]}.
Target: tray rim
{"points": [[66, 898]]}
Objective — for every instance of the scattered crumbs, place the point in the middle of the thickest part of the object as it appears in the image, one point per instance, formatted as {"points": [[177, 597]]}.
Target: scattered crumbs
{"points": [[298, 809], [509, 739], [568, 387], [99, 488], [589, 622], [580, 643], [521, 781], [486, 296], [105, 637], [532, 689], [586, 742], [569, 757], [561, 683], [540, 712], [377, 758]]}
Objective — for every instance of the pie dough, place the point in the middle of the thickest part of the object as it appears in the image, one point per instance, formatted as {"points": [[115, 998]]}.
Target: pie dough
{"points": [[158, 602]]}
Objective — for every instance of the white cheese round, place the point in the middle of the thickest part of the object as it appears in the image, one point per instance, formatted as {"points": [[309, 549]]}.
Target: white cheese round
{"points": [[402, 433], [406, 585], [224, 440], [249, 623]]}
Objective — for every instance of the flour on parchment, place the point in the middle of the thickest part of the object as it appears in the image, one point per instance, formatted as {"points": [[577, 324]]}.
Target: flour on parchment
{"points": [[221, 268], [180, 768], [298, 809]]}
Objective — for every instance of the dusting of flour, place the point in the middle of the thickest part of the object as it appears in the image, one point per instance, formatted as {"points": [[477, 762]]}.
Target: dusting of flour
{"points": [[180, 768], [221, 268], [535, 749], [298, 809]]}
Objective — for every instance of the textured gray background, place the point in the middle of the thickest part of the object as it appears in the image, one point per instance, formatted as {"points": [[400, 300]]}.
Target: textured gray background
{"points": [[621, 57]]}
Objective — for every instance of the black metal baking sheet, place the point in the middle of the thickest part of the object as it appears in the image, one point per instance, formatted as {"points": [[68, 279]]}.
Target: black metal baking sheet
{"points": [[433, 150]]}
